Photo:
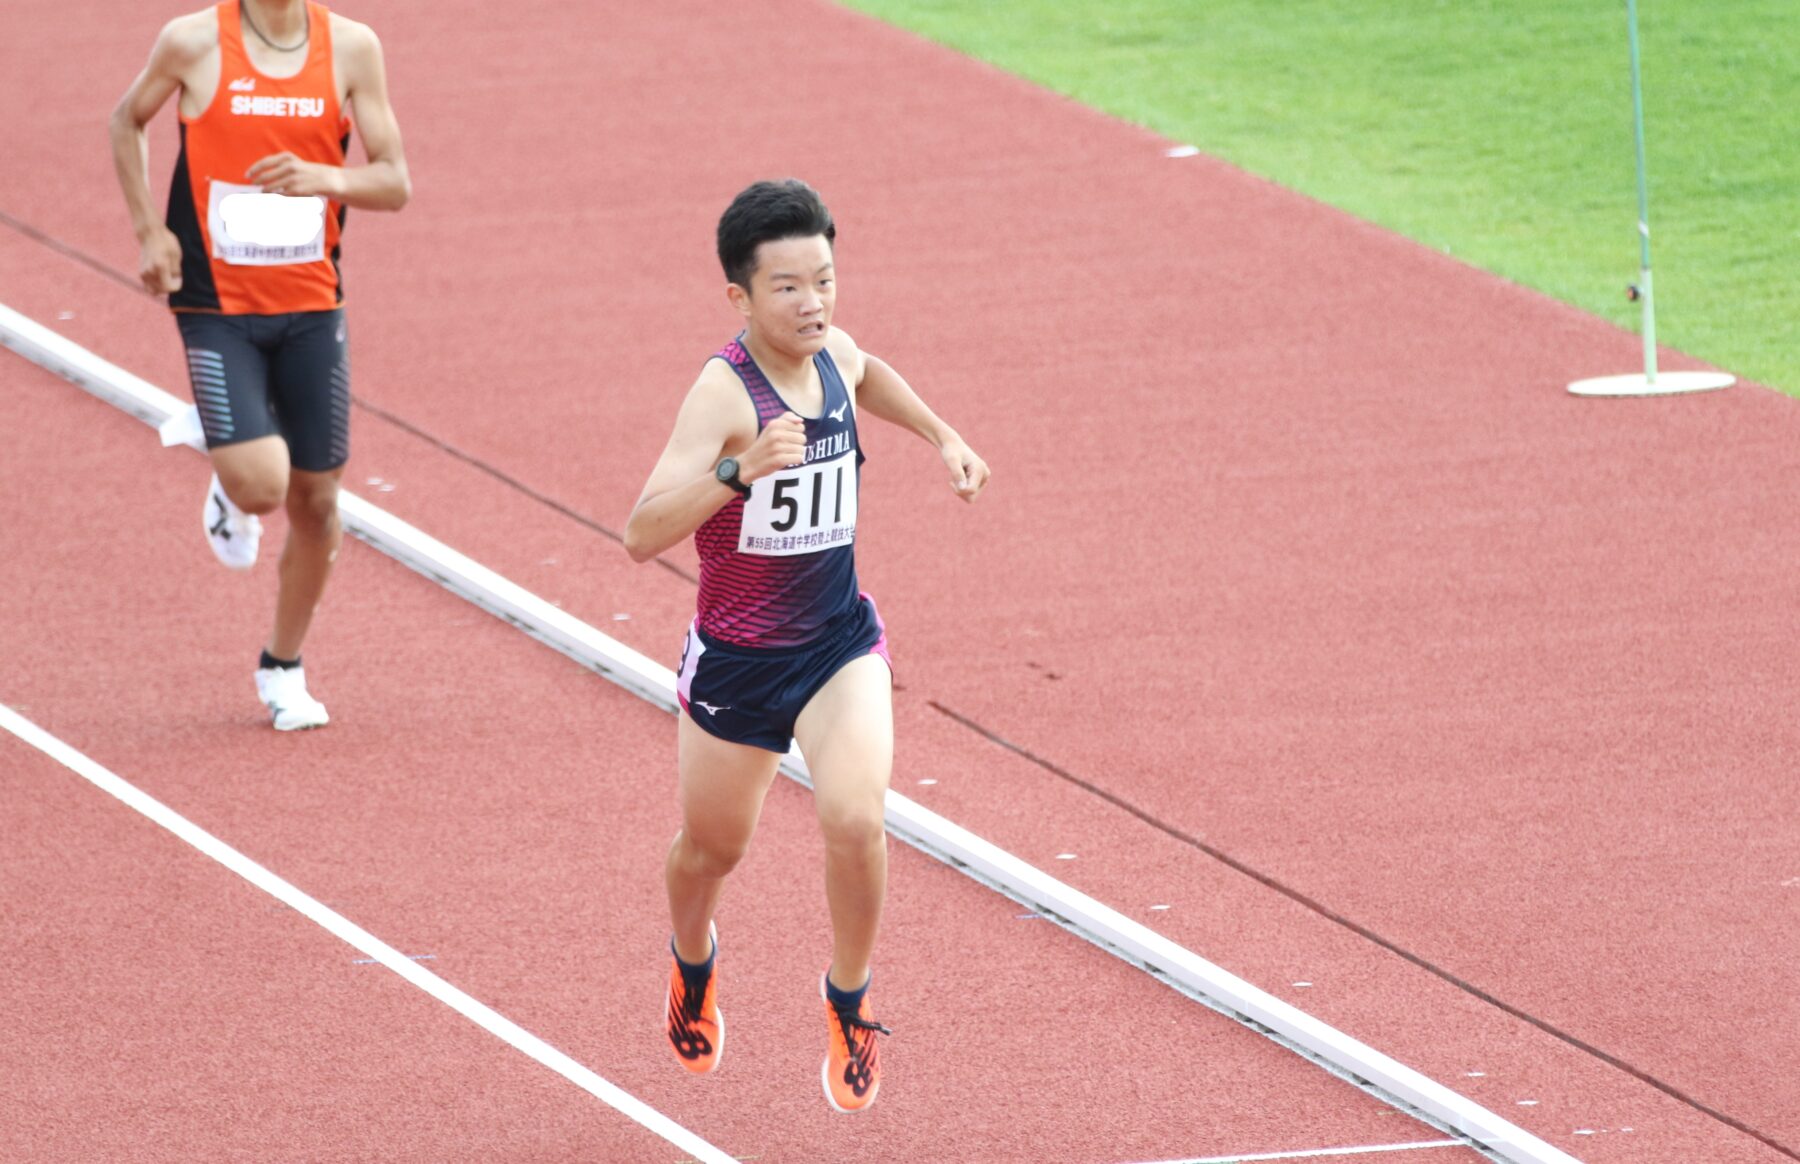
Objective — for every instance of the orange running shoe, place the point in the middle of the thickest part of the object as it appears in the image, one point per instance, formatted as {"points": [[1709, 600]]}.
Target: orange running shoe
{"points": [[696, 1028], [851, 1072]]}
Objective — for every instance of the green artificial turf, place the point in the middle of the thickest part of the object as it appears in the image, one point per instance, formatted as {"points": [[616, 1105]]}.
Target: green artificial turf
{"points": [[1496, 130]]}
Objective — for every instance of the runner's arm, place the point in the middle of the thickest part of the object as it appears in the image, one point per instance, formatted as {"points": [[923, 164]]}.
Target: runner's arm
{"points": [[381, 184], [716, 420], [883, 393], [178, 48]]}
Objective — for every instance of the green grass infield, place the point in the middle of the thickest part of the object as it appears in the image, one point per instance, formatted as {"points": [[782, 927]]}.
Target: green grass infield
{"points": [[1498, 131]]}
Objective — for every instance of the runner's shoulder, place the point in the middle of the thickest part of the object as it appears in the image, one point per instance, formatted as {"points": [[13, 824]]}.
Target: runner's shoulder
{"points": [[185, 40], [848, 356], [353, 34], [719, 392], [718, 381]]}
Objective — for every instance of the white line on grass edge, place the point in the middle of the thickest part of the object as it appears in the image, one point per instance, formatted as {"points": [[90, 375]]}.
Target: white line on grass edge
{"points": [[918, 826], [478, 1013]]}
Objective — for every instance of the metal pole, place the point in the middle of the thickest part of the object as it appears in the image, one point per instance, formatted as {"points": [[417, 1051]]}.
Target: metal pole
{"points": [[1643, 191]]}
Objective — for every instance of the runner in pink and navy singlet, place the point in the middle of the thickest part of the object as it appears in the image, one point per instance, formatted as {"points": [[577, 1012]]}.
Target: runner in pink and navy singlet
{"points": [[762, 469], [778, 567], [779, 611]]}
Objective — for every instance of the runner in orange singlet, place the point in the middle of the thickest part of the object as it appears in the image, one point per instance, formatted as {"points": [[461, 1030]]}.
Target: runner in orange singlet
{"points": [[248, 256]]}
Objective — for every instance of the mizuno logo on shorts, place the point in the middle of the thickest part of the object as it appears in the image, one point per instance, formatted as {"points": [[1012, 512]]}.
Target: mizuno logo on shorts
{"points": [[710, 709]]}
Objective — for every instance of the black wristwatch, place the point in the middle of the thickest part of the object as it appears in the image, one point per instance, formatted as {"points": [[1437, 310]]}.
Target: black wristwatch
{"points": [[727, 473]]}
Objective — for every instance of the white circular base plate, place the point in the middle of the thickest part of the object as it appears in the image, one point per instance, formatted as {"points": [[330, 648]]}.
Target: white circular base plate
{"points": [[1667, 384]]}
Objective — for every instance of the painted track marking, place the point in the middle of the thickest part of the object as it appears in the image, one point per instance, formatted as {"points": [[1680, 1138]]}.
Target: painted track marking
{"points": [[1187, 972], [1318, 1153], [477, 1012]]}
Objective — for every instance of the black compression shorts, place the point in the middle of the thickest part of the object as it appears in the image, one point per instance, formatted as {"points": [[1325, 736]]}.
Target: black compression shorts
{"points": [[273, 375]]}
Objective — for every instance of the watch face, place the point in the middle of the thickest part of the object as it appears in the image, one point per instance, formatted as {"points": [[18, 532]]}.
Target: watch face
{"points": [[727, 469]]}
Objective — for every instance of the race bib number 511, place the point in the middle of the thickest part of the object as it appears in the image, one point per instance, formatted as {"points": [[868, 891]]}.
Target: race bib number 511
{"points": [[801, 510]]}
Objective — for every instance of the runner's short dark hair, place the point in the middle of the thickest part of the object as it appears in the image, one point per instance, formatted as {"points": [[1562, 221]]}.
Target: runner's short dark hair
{"points": [[768, 212]]}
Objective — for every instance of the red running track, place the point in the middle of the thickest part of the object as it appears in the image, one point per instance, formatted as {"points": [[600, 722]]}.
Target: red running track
{"points": [[486, 803], [1326, 571]]}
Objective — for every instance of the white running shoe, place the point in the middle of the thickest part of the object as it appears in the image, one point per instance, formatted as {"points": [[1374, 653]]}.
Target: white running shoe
{"points": [[283, 692], [233, 534]]}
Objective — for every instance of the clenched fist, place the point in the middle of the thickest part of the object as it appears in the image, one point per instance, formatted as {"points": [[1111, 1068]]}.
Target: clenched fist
{"points": [[781, 443], [159, 261], [284, 173]]}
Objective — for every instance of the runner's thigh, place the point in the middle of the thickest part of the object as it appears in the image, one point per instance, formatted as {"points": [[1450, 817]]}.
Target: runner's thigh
{"points": [[230, 377], [846, 734], [309, 377], [722, 787]]}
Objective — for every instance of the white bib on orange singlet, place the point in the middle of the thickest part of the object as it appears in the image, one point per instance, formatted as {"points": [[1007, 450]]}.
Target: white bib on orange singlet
{"points": [[253, 228], [801, 510]]}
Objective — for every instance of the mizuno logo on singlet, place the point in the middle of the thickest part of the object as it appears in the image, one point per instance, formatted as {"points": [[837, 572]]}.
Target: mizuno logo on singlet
{"points": [[243, 85], [838, 412], [278, 106]]}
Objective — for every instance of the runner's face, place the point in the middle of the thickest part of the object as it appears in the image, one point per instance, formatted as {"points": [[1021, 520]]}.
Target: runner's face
{"points": [[793, 292]]}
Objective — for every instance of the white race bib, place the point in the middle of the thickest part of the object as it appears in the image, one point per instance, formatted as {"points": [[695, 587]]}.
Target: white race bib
{"points": [[801, 510], [251, 228]]}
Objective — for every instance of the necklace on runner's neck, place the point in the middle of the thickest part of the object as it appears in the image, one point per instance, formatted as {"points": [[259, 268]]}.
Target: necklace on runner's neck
{"points": [[306, 35]]}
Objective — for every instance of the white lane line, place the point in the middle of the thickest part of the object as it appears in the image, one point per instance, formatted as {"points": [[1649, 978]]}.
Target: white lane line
{"points": [[1317, 1153], [355, 935], [1364, 1066]]}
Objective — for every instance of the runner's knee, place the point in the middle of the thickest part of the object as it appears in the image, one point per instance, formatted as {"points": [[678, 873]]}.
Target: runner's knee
{"points": [[312, 503], [254, 492], [712, 857], [852, 824]]}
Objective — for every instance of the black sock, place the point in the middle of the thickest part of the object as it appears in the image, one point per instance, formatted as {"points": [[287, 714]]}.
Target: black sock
{"points": [[270, 662], [850, 1000], [694, 976]]}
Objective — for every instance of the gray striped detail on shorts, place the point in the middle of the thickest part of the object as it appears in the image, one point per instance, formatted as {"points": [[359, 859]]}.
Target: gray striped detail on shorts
{"points": [[206, 370], [340, 412]]}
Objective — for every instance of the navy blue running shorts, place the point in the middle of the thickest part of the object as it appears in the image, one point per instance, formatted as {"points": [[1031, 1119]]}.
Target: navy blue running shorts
{"points": [[273, 375], [750, 696]]}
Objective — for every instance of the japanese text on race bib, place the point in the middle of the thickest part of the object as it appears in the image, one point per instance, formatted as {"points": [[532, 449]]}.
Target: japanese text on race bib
{"points": [[251, 228], [801, 510]]}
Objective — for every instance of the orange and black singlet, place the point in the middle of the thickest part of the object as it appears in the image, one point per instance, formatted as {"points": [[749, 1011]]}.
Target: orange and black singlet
{"points": [[243, 251]]}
